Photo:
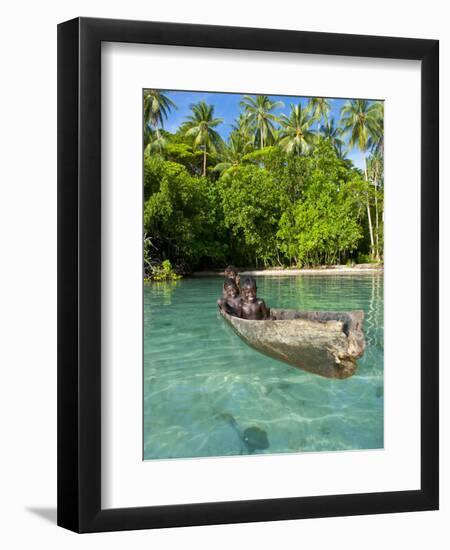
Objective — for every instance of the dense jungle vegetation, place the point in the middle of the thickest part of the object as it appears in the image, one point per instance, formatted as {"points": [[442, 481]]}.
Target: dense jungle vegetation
{"points": [[279, 191]]}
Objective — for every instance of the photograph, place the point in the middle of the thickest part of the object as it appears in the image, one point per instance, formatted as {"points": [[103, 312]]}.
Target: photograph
{"points": [[262, 274]]}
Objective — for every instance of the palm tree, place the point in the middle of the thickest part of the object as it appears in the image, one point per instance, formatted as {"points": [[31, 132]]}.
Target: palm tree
{"points": [[360, 119], [157, 107], [200, 126], [296, 135], [243, 129], [375, 175], [376, 141], [333, 133], [153, 139], [259, 112], [320, 107], [376, 147], [148, 134], [232, 153]]}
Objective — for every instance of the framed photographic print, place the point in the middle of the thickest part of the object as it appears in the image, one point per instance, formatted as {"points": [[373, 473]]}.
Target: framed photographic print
{"points": [[248, 275]]}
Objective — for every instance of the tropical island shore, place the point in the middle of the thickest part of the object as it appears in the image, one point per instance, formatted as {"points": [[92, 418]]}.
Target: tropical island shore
{"points": [[274, 181], [321, 270]]}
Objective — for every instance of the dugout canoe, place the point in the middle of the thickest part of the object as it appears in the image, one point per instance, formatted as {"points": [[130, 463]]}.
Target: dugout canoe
{"points": [[321, 342]]}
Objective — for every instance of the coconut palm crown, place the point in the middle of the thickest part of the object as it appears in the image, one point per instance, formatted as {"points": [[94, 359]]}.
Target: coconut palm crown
{"points": [[320, 107], [232, 153], [296, 136], [360, 119], [200, 127], [260, 116], [333, 133], [157, 107]]}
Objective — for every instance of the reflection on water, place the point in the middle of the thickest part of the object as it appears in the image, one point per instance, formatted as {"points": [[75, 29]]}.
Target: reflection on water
{"points": [[206, 393]]}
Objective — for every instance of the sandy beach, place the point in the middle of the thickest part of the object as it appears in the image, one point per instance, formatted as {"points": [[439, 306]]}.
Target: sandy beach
{"points": [[326, 270]]}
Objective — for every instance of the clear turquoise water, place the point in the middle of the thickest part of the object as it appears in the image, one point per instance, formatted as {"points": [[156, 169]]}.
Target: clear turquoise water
{"points": [[204, 387]]}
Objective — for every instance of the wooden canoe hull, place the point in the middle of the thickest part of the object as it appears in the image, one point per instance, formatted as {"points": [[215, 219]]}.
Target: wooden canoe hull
{"points": [[323, 343]]}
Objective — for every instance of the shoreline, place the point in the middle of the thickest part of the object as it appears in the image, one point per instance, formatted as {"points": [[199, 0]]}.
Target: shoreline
{"points": [[326, 270]]}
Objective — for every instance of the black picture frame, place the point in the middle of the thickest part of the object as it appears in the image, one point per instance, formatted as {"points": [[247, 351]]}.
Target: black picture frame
{"points": [[79, 274]]}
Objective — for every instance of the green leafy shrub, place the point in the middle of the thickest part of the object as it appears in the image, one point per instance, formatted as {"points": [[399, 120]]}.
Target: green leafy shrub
{"points": [[163, 272]]}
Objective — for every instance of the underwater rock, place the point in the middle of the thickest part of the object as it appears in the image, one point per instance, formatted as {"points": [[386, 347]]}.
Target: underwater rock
{"points": [[379, 392], [252, 438], [255, 438]]}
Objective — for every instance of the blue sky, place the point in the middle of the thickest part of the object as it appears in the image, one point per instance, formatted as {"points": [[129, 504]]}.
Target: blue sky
{"points": [[227, 107]]}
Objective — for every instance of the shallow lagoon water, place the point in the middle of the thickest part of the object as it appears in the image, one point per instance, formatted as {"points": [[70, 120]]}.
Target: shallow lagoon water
{"points": [[206, 393]]}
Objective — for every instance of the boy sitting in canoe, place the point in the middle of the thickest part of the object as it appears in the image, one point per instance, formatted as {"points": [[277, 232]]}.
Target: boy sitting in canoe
{"points": [[231, 302], [252, 307], [232, 273]]}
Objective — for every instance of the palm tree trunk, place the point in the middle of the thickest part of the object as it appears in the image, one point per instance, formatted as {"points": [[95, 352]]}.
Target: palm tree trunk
{"points": [[369, 217], [158, 137], [377, 231], [204, 161]]}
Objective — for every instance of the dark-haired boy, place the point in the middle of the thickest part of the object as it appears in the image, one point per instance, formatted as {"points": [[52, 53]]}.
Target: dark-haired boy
{"points": [[231, 302], [252, 307], [232, 273]]}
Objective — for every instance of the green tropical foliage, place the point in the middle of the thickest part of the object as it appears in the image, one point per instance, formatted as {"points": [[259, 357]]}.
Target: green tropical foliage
{"points": [[326, 226], [251, 206], [180, 215], [279, 191], [163, 272]]}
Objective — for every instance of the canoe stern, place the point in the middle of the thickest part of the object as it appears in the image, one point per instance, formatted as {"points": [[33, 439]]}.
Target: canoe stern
{"points": [[311, 341]]}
